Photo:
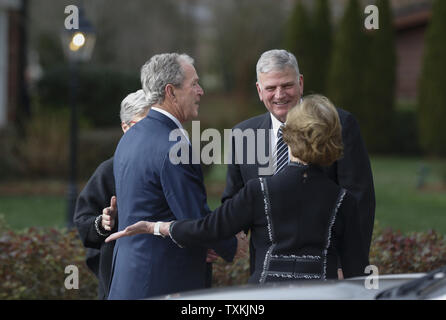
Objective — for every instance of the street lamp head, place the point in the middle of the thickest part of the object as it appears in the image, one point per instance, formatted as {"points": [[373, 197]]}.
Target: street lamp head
{"points": [[78, 43]]}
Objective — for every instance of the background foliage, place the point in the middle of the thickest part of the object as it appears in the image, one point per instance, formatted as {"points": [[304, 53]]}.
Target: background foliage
{"points": [[33, 261], [99, 92], [33, 264], [432, 96], [346, 76], [377, 120], [355, 67]]}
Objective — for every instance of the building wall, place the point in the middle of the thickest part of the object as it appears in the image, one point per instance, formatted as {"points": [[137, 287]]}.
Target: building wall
{"points": [[409, 47]]}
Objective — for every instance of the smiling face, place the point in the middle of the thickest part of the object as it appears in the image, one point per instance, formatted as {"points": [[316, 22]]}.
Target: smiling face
{"points": [[189, 94], [280, 90]]}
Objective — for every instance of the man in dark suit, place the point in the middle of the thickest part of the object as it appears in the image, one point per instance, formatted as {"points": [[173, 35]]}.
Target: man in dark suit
{"points": [[280, 87], [152, 186]]}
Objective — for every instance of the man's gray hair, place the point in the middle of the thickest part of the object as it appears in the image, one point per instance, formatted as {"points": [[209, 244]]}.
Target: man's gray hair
{"points": [[276, 60], [134, 105], [161, 70]]}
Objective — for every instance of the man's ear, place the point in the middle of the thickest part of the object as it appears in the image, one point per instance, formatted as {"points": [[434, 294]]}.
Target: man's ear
{"points": [[301, 84], [124, 127], [170, 91], [259, 90]]}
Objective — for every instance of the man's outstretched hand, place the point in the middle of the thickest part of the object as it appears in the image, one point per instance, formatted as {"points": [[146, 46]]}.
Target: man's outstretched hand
{"points": [[137, 228]]}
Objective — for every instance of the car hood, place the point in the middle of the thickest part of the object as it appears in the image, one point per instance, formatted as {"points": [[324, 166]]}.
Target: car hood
{"points": [[350, 289]]}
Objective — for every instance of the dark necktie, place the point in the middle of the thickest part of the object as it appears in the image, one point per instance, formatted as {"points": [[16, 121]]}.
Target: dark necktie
{"points": [[281, 154]]}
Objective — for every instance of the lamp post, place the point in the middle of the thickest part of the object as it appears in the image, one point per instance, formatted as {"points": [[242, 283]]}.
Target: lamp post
{"points": [[78, 46]]}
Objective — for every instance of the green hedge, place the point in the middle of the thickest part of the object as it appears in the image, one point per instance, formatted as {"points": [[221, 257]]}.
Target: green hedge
{"points": [[394, 252], [32, 262]]}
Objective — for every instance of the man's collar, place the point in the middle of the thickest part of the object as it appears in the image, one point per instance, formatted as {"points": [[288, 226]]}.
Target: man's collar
{"points": [[175, 120], [169, 115], [275, 124]]}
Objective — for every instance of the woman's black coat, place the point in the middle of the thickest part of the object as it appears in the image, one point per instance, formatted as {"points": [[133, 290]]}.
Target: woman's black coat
{"points": [[301, 224]]}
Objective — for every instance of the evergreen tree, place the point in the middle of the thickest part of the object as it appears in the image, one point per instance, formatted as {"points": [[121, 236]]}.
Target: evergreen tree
{"points": [[432, 90], [349, 57], [379, 83], [321, 47], [298, 38]]}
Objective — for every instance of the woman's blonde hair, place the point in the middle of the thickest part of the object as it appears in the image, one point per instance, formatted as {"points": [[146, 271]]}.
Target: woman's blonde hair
{"points": [[313, 131]]}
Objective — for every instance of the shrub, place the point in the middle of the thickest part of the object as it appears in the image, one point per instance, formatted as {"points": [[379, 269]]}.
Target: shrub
{"points": [[391, 251], [33, 261]]}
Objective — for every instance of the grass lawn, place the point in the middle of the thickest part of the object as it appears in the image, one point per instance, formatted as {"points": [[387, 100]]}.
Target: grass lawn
{"points": [[33, 210], [399, 204]]}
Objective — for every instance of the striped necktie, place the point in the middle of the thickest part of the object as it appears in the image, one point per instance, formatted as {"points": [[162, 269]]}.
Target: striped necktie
{"points": [[281, 154]]}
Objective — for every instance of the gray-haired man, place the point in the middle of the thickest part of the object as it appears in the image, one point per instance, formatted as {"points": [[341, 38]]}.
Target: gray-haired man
{"points": [[280, 88], [150, 187]]}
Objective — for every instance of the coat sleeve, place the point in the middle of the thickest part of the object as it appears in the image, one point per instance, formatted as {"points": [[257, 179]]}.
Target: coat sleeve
{"points": [[231, 217], [186, 196], [354, 173], [349, 244], [93, 198]]}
